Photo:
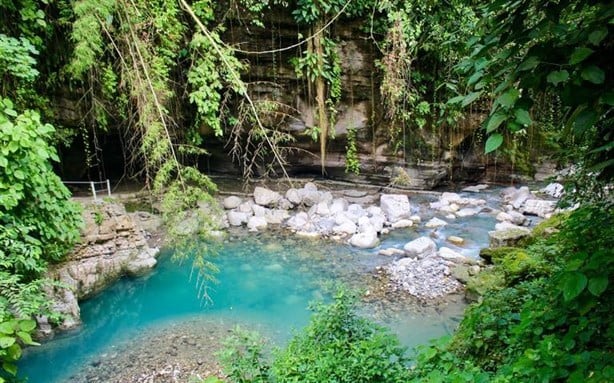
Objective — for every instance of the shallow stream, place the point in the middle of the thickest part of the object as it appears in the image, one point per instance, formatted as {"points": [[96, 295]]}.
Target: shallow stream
{"points": [[265, 283]]}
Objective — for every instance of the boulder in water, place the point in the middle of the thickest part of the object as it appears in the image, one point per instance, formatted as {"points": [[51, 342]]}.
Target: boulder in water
{"points": [[395, 206], [422, 247]]}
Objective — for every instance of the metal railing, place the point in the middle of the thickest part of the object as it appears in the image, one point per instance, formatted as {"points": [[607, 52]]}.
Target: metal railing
{"points": [[93, 184]]}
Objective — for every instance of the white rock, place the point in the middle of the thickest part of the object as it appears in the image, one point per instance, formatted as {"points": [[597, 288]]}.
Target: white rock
{"points": [[391, 251], [374, 210], [455, 240], [355, 211], [309, 197], [366, 240], [451, 216], [451, 255], [338, 205], [449, 208], [293, 196], [415, 219], [256, 223], [435, 222], [310, 186], [298, 221], [539, 207], [246, 207], [395, 206], [322, 209], [236, 218], [231, 202], [420, 247], [467, 212], [285, 204], [402, 224], [347, 228], [276, 216], [326, 197], [516, 197], [265, 197], [450, 198], [503, 226], [259, 211], [554, 189], [475, 188], [377, 221]]}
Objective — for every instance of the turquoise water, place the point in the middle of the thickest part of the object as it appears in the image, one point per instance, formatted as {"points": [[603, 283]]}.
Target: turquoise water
{"points": [[265, 282]]}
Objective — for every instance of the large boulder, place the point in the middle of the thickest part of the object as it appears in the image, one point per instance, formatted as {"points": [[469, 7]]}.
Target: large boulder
{"points": [[395, 206], [256, 223], [422, 247], [508, 237], [554, 189], [236, 218], [516, 197], [538, 207], [366, 240], [451, 255], [266, 197], [231, 202]]}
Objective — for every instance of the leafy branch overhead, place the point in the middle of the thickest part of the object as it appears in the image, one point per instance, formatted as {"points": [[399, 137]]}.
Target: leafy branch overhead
{"points": [[526, 48]]}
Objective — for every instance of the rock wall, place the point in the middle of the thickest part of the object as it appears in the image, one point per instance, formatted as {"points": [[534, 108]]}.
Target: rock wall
{"points": [[112, 245]]}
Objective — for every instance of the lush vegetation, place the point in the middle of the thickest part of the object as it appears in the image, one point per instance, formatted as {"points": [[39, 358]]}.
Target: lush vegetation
{"points": [[160, 74], [336, 346]]}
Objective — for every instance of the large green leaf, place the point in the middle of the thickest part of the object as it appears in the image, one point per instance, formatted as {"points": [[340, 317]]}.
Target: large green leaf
{"points": [[598, 35], [27, 325], [598, 284], [508, 98], [574, 283], [523, 117], [529, 63], [471, 97], [580, 54], [593, 74], [557, 76], [584, 120], [6, 341], [493, 142], [494, 121]]}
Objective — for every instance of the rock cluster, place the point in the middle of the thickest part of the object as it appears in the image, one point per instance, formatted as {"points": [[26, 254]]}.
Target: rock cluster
{"points": [[426, 272], [310, 212], [112, 245]]}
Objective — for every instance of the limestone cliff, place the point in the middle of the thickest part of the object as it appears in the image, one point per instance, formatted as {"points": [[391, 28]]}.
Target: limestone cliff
{"points": [[112, 245]]}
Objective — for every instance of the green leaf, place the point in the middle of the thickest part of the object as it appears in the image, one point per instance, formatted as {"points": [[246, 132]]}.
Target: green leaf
{"points": [[7, 327], [471, 97], [10, 368], [574, 283], [523, 117], [598, 35], [598, 284], [508, 98], [6, 341], [493, 142], [475, 77], [26, 338], [27, 325], [608, 98], [14, 352], [593, 74], [584, 120], [455, 100], [528, 64], [580, 54], [557, 76], [494, 121]]}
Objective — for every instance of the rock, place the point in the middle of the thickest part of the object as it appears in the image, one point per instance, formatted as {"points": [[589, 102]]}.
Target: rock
{"points": [[422, 247], [377, 221], [435, 222], [256, 223], [461, 273], [276, 216], [338, 205], [450, 217], [507, 237], [402, 224], [455, 240], [309, 197], [539, 208], [511, 216], [475, 188], [325, 226], [347, 228], [554, 189], [310, 186], [415, 219], [451, 255], [354, 212], [352, 193], [467, 212], [284, 204], [246, 207], [391, 251], [449, 208], [236, 218], [451, 198], [299, 221], [425, 279], [395, 206], [322, 209], [366, 240], [506, 226], [231, 202], [259, 211], [293, 196], [516, 197], [266, 197], [142, 266]]}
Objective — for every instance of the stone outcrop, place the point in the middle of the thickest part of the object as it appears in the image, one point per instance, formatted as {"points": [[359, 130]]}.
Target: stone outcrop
{"points": [[112, 245]]}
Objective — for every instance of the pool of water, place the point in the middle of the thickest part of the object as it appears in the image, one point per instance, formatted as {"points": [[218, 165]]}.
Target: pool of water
{"points": [[265, 282]]}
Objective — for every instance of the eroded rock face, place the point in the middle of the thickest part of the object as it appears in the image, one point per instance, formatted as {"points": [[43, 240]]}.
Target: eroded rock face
{"points": [[112, 245]]}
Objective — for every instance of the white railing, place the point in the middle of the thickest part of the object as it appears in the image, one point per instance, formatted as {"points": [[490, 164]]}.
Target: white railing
{"points": [[93, 184]]}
